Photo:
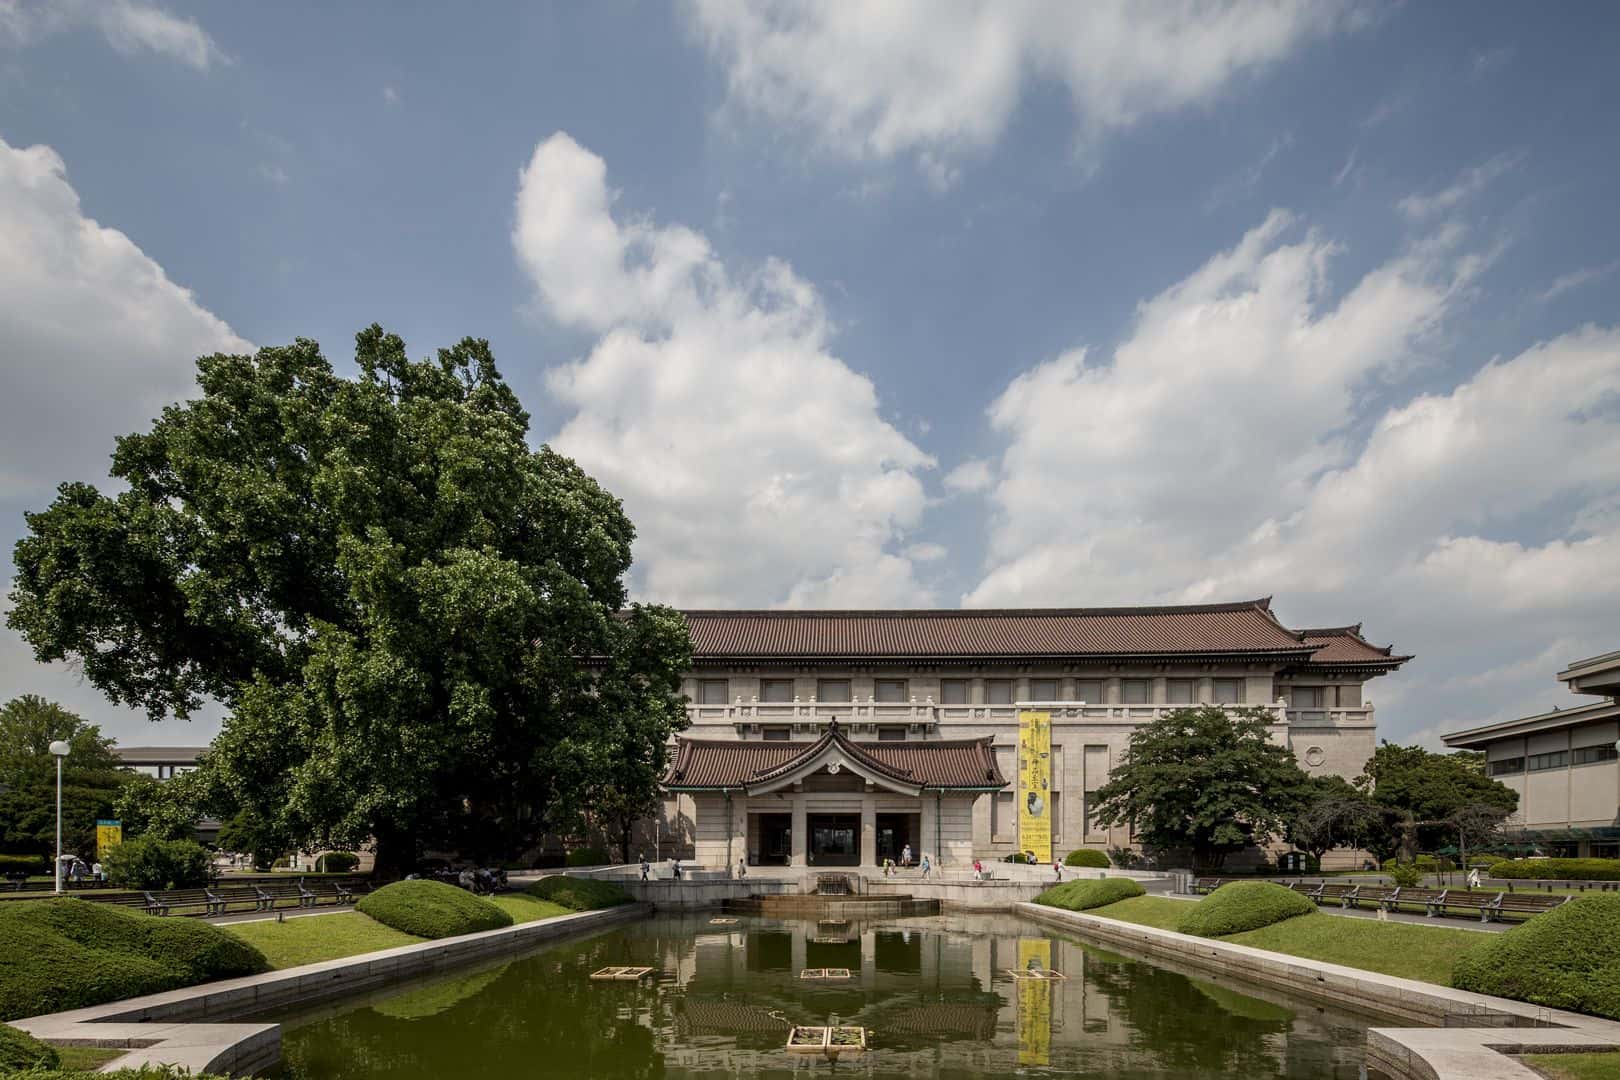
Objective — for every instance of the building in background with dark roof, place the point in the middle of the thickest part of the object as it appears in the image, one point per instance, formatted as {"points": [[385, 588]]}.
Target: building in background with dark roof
{"points": [[840, 737]]}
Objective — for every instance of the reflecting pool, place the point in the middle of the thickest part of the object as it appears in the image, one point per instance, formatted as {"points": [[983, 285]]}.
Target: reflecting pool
{"points": [[937, 995]]}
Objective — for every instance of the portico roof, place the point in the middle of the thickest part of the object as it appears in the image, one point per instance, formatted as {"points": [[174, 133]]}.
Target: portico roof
{"points": [[907, 767]]}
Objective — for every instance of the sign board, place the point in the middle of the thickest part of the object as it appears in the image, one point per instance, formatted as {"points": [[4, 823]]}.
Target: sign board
{"points": [[1035, 784], [109, 834]]}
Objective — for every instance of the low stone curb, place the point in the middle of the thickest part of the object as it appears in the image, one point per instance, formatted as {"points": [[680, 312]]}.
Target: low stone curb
{"points": [[173, 1028], [1472, 1032]]}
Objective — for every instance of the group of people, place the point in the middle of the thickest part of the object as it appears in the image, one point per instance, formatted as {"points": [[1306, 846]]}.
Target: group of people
{"points": [[926, 866]]}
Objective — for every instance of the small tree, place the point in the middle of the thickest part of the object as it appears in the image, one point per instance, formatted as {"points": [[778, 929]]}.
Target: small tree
{"points": [[1333, 813], [1422, 790], [1206, 780]]}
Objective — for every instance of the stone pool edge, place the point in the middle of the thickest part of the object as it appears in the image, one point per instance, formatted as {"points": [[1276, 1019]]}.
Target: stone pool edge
{"points": [[1469, 1042], [173, 1028]]}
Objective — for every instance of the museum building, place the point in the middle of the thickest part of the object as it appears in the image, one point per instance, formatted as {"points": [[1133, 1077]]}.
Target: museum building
{"points": [[842, 738]]}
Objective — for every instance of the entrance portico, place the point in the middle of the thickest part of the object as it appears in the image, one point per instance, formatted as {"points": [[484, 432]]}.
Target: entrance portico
{"points": [[833, 802]]}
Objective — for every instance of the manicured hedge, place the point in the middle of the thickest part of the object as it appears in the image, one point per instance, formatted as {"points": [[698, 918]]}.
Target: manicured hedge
{"points": [[1557, 869], [587, 856], [432, 909], [1083, 895], [1426, 864], [150, 862], [577, 893], [337, 862], [1242, 905], [1087, 857], [20, 1050], [1568, 958], [69, 953], [24, 864]]}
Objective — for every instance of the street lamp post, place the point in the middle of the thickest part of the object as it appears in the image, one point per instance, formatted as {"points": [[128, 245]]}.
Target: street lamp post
{"points": [[59, 750]]}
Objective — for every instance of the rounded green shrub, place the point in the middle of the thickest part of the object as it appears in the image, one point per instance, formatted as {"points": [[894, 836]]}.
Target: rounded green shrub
{"points": [[1557, 869], [1426, 864], [67, 953], [1087, 857], [337, 862], [151, 862], [432, 909], [1242, 905], [1568, 958], [587, 856], [1084, 895], [577, 893], [20, 1050], [1405, 875]]}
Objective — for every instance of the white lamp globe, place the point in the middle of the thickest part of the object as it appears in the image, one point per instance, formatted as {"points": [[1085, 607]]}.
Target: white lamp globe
{"points": [[60, 748]]}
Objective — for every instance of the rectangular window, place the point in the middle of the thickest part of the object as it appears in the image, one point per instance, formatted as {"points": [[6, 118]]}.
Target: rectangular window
{"points": [[1088, 690], [1056, 810], [1228, 691], [953, 692], [998, 691], [1306, 697], [891, 690], [1043, 689], [1555, 760], [776, 690], [1003, 822], [711, 691], [1136, 691], [1181, 691], [1507, 766], [833, 690], [776, 734], [891, 734], [1587, 755]]}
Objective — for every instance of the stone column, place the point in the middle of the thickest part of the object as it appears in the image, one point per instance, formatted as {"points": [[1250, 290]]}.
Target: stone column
{"points": [[801, 832], [868, 831]]}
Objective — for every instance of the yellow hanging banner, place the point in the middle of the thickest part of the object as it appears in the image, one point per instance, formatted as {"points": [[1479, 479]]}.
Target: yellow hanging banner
{"points": [[1035, 784], [1034, 1003], [109, 834]]}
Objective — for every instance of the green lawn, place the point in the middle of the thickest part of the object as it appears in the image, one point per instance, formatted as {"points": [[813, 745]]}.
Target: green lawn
{"points": [[1405, 950], [525, 908], [314, 938], [87, 1058], [1599, 1066]]}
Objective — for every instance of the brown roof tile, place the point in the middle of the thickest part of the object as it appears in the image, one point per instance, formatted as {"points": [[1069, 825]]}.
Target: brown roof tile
{"points": [[1242, 628], [1345, 645]]}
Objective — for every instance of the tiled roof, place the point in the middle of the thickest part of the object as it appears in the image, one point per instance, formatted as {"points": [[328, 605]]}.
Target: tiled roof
{"points": [[931, 763], [1345, 645], [1202, 629], [160, 755]]}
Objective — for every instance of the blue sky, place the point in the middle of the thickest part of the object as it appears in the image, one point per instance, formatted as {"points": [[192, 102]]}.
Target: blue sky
{"points": [[916, 304]]}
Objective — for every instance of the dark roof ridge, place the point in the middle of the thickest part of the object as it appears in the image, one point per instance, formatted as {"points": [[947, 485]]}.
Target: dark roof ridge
{"points": [[1263, 604]]}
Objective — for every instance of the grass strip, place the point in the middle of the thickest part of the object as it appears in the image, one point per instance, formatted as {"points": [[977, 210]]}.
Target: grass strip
{"points": [[314, 938], [1598, 1066]]}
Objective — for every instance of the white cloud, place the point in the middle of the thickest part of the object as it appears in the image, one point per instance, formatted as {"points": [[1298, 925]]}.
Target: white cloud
{"points": [[927, 551], [938, 79], [274, 174], [128, 25], [1230, 447], [970, 476], [391, 96], [1469, 182], [96, 338], [1575, 279], [753, 461]]}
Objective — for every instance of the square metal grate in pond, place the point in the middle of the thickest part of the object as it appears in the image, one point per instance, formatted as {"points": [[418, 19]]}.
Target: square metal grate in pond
{"points": [[826, 1040], [722, 922], [825, 973], [627, 974]]}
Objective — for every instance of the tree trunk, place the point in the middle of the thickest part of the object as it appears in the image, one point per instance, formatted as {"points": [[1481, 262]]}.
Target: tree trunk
{"points": [[396, 856]]}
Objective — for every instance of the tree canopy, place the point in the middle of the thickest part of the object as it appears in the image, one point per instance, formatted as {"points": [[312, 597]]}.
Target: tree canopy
{"points": [[416, 622], [1205, 780], [91, 778]]}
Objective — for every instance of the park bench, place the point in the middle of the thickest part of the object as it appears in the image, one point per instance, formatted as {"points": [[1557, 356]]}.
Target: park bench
{"points": [[1325, 891], [1526, 904], [1432, 900], [1208, 884], [1379, 896], [267, 896]]}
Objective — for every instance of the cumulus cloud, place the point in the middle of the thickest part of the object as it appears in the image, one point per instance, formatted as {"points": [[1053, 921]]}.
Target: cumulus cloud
{"points": [[969, 477], [753, 460], [938, 79], [1230, 446], [96, 337], [128, 25]]}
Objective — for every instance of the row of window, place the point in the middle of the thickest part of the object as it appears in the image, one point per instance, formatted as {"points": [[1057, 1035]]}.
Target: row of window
{"points": [[1000, 691], [1557, 759]]}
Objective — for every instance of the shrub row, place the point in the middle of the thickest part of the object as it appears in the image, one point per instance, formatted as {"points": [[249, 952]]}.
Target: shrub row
{"points": [[1426, 864], [1567, 958], [1084, 895], [24, 864], [68, 953], [432, 909], [1557, 869], [150, 862], [578, 894], [1086, 857], [1243, 905], [20, 1050]]}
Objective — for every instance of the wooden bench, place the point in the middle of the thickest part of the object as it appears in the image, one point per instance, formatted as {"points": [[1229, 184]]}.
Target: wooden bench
{"points": [[1325, 891], [1207, 884], [1525, 904]]}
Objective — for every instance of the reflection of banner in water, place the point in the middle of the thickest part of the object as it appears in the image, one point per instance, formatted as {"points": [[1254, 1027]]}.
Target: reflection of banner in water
{"points": [[109, 834], [1035, 784], [1034, 1003]]}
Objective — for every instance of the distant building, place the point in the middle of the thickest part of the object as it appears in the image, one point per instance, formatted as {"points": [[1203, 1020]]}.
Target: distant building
{"points": [[163, 762], [1565, 764], [841, 738]]}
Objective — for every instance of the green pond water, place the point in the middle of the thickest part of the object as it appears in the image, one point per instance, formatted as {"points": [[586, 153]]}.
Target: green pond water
{"points": [[935, 994]]}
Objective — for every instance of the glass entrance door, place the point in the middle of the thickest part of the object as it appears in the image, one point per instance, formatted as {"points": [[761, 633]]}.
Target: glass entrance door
{"points": [[835, 839]]}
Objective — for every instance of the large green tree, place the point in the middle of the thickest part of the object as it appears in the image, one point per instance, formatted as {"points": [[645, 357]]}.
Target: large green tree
{"points": [[92, 776], [1425, 792], [416, 622], [1204, 780]]}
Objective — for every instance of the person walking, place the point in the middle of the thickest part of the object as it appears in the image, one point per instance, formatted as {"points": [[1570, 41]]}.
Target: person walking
{"points": [[646, 867], [978, 869], [926, 866], [742, 867], [1473, 878], [677, 868], [1057, 870], [905, 856]]}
